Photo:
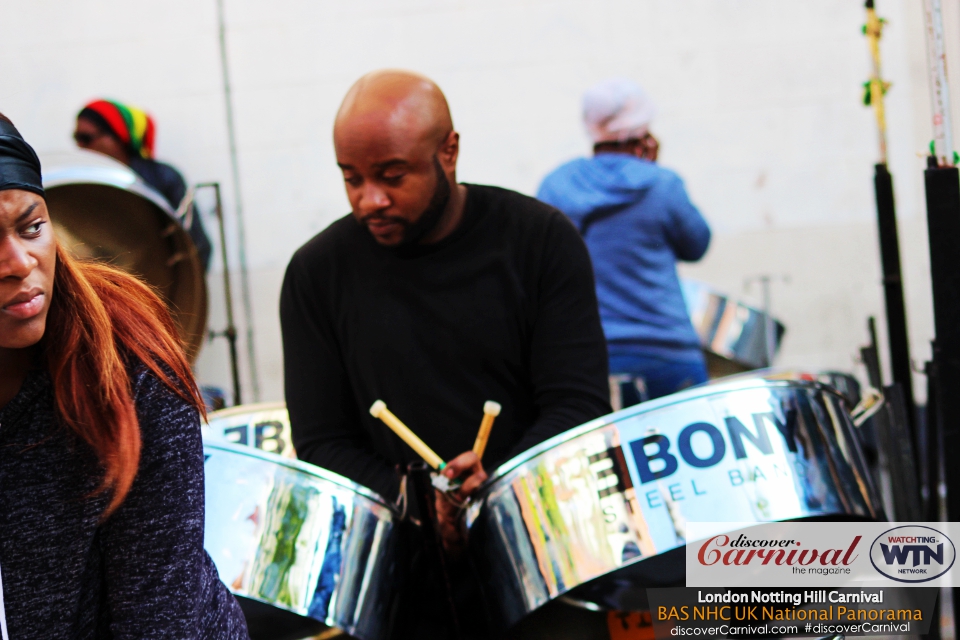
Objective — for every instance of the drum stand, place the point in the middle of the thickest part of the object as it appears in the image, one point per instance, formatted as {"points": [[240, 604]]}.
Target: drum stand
{"points": [[230, 332], [422, 497], [896, 473]]}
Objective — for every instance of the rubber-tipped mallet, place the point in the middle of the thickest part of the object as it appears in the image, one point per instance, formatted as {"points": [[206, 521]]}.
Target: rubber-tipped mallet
{"points": [[379, 410], [491, 410]]}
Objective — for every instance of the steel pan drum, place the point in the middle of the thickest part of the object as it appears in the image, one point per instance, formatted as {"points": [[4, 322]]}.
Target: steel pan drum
{"points": [[265, 426], [732, 334], [599, 513], [303, 548], [101, 209]]}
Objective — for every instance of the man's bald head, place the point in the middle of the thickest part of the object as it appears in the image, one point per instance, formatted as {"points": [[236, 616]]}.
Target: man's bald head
{"points": [[391, 103], [396, 146]]}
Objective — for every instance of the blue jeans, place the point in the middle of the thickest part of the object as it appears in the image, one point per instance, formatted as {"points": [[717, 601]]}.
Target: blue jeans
{"points": [[641, 378]]}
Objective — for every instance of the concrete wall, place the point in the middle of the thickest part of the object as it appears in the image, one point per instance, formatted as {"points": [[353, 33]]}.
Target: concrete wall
{"points": [[760, 113]]}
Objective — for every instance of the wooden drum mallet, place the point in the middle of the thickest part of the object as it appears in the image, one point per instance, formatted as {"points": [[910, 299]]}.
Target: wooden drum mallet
{"points": [[379, 410], [491, 410]]}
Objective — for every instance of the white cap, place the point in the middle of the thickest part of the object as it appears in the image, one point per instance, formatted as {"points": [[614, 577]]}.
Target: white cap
{"points": [[491, 407], [616, 110], [377, 408]]}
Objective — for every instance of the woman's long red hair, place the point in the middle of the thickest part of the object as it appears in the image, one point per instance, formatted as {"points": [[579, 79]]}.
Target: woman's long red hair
{"points": [[100, 318]]}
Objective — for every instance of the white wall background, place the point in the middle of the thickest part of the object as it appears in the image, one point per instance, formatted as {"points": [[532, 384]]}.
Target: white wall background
{"points": [[760, 113]]}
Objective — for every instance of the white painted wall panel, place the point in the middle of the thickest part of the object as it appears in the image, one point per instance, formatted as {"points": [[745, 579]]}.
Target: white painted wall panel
{"points": [[760, 113]]}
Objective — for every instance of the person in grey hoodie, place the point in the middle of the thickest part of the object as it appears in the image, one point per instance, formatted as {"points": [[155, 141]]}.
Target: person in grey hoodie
{"points": [[637, 221]]}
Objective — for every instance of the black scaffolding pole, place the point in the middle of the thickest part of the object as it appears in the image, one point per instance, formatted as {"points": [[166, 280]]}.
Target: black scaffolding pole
{"points": [[943, 221], [893, 291], [942, 182], [887, 226]]}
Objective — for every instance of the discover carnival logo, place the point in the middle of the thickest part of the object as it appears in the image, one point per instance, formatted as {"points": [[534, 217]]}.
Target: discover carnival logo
{"points": [[912, 553], [743, 550]]}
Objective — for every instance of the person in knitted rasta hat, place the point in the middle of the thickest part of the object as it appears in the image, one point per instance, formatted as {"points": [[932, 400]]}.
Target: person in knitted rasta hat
{"points": [[637, 221], [127, 134], [129, 126]]}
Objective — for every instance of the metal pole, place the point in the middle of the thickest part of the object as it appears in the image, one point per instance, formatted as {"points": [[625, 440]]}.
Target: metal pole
{"points": [[942, 145], [238, 199], [931, 467], [897, 336], [230, 333], [887, 225], [942, 182], [876, 87]]}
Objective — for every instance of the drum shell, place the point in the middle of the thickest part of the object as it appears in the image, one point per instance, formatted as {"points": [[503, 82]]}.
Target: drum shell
{"points": [[599, 513], [101, 209], [311, 546]]}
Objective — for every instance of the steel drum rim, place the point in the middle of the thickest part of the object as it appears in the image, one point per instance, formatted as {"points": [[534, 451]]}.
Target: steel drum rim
{"points": [[121, 178], [244, 409], [699, 391], [709, 289], [777, 373], [304, 467]]}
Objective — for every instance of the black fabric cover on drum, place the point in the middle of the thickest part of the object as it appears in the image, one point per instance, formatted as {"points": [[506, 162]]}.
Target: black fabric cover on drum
{"points": [[266, 622]]}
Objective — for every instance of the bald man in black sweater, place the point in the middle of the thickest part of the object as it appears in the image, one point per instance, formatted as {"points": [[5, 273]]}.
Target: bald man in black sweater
{"points": [[433, 296]]}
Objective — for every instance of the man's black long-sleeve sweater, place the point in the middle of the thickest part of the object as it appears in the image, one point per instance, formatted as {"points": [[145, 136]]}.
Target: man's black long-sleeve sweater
{"points": [[503, 309]]}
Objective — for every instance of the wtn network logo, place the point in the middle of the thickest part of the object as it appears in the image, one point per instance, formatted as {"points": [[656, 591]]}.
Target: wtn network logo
{"points": [[912, 553]]}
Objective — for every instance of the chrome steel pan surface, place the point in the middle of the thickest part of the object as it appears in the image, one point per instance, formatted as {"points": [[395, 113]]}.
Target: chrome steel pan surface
{"points": [[304, 549], [732, 334], [599, 513], [101, 209]]}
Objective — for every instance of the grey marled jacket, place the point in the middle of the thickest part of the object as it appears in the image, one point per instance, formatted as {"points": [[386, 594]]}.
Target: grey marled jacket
{"points": [[142, 573]]}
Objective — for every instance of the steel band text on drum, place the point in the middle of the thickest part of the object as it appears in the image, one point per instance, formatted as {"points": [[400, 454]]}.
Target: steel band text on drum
{"points": [[737, 431]]}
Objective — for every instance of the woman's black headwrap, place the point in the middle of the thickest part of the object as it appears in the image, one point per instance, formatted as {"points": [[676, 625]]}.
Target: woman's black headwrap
{"points": [[19, 164]]}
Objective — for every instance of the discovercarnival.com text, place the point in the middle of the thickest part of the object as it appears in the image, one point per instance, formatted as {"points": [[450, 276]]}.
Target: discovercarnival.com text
{"points": [[818, 629]]}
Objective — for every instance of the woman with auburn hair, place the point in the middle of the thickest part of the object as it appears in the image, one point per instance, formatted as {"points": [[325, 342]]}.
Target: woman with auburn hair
{"points": [[101, 463]]}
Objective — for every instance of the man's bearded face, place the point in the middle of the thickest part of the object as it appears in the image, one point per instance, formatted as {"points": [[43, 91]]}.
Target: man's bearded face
{"points": [[399, 200], [412, 229]]}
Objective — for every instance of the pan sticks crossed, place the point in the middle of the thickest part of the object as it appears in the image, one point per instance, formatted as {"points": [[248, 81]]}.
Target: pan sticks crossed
{"points": [[490, 411]]}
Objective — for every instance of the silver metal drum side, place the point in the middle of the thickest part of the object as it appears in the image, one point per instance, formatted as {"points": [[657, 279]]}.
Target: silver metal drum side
{"points": [[732, 334], [300, 539], [604, 504]]}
